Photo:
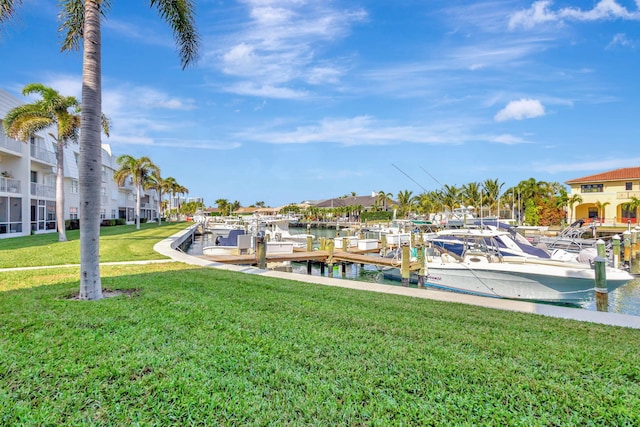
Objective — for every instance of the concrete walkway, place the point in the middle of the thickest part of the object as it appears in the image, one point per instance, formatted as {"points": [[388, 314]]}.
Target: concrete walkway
{"points": [[167, 247]]}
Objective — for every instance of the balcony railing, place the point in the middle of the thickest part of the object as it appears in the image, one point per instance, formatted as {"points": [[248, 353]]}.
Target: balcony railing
{"points": [[43, 155], [627, 194], [41, 190], [9, 185], [10, 144]]}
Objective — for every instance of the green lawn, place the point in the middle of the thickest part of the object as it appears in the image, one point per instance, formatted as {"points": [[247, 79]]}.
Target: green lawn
{"points": [[117, 243], [210, 347]]}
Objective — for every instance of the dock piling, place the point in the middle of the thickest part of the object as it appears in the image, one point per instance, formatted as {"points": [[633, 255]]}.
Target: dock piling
{"points": [[406, 264], [616, 250], [602, 292]]}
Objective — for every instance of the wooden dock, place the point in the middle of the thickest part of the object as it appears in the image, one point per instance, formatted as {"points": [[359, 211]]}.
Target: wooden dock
{"points": [[353, 256]]}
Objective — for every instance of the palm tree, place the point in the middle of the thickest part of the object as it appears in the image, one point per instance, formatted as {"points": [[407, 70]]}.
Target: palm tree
{"points": [[600, 206], [181, 189], [449, 197], [223, 206], [632, 206], [406, 202], [491, 194], [53, 109], [571, 201], [170, 187], [139, 170], [81, 19], [470, 194], [383, 199], [155, 182]]}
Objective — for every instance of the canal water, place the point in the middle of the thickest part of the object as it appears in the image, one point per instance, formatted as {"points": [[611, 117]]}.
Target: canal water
{"points": [[625, 299]]}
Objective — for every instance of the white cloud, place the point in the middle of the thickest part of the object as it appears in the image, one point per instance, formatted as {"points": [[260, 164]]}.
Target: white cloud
{"points": [[521, 109], [508, 139], [280, 44], [592, 166], [621, 39], [540, 12]]}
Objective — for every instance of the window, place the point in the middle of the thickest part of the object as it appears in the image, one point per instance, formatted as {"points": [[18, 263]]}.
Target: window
{"points": [[593, 213], [591, 188], [113, 213], [103, 214], [628, 186], [74, 186], [73, 213]]}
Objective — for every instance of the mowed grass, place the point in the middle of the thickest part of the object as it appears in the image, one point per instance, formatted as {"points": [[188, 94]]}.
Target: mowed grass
{"points": [[209, 347], [117, 243]]}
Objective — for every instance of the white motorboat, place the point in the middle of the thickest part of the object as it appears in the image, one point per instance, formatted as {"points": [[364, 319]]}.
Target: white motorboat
{"points": [[236, 242], [277, 230], [482, 269]]}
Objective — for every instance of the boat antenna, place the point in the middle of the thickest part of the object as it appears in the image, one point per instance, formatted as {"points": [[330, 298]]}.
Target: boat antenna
{"points": [[405, 174], [432, 177]]}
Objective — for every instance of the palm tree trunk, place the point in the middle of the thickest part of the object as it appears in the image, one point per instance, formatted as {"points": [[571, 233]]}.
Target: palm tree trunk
{"points": [[62, 236], [159, 207], [90, 159], [138, 204]]}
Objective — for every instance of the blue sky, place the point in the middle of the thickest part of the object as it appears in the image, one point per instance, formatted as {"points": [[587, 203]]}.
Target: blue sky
{"points": [[296, 100]]}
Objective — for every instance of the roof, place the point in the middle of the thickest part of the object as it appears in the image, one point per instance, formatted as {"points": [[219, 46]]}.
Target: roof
{"points": [[366, 201], [614, 175]]}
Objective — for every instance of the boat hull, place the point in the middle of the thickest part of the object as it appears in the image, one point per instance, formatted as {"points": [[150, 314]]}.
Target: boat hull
{"points": [[518, 280]]}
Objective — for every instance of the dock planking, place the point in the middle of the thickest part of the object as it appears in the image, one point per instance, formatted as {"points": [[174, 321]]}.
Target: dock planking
{"points": [[352, 256]]}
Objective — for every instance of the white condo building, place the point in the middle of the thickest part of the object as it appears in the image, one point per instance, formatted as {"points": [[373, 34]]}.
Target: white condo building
{"points": [[28, 184]]}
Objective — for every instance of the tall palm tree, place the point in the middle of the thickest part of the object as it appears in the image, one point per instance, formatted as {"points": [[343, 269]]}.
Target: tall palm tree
{"points": [[139, 170], [171, 188], [601, 207], [571, 201], [450, 196], [155, 182], [491, 194], [223, 206], [383, 199], [632, 206], [81, 20], [470, 194], [53, 109], [406, 202]]}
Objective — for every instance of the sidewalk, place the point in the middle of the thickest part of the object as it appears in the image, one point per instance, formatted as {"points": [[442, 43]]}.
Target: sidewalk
{"points": [[167, 247]]}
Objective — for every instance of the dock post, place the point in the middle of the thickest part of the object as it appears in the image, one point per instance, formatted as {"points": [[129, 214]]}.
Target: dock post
{"points": [[626, 239], [261, 252], [330, 257], [323, 243], [383, 243], [344, 269], [602, 293], [616, 250], [309, 243], [601, 248], [634, 261], [406, 262], [345, 244], [421, 261]]}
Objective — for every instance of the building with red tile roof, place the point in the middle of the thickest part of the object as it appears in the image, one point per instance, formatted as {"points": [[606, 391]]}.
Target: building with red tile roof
{"points": [[604, 197]]}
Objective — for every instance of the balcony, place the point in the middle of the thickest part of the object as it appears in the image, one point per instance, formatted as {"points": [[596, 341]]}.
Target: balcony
{"points": [[43, 155], [40, 190], [10, 144], [622, 195], [9, 185]]}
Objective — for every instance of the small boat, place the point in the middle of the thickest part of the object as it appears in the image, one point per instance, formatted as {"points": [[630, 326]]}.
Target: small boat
{"points": [[277, 230], [481, 269], [233, 244]]}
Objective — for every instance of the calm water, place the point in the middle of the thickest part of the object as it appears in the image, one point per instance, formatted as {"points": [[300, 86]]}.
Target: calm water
{"points": [[625, 299]]}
